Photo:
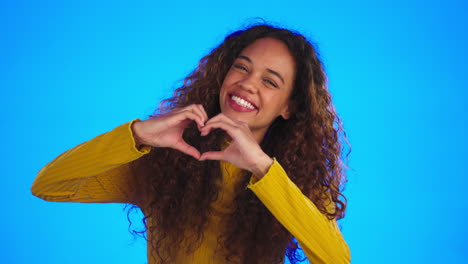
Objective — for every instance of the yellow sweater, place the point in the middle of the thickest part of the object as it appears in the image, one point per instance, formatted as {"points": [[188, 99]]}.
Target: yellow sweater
{"points": [[97, 171]]}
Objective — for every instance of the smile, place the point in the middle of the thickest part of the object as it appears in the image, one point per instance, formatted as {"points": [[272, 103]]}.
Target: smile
{"points": [[239, 104], [242, 102]]}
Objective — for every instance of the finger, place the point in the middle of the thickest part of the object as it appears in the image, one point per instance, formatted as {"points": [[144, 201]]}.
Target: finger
{"points": [[177, 110], [229, 128], [187, 149], [190, 109], [233, 122], [192, 116], [203, 112], [198, 110], [213, 155], [221, 118]]}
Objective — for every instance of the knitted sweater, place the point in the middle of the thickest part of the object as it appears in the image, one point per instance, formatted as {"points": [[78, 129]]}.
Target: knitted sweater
{"points": [[97, 171]]}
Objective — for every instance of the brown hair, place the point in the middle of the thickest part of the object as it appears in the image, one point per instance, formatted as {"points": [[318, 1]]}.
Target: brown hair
{"points": [[307, 145]]}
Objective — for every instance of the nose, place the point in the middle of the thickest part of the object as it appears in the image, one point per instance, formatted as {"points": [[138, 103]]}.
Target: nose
{"points": [[249, 83]]}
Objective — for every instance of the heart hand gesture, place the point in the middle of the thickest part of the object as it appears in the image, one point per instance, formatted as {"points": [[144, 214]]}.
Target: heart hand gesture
{"points": [[244, 151], [166, 131]]}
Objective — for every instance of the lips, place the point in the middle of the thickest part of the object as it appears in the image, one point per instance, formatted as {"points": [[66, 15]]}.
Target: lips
{"points": [[240, 103]]}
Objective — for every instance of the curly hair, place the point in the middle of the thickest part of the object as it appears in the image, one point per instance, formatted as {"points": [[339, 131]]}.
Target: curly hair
{"points": [[308, 145]]}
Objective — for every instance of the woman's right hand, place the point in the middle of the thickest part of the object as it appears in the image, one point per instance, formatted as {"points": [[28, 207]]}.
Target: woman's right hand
{"points": [[166, 131]]}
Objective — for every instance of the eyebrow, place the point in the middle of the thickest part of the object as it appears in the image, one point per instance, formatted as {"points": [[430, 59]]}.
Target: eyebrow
{"points": [[268, 70]]}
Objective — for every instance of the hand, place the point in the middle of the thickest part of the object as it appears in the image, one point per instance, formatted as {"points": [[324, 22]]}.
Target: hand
{"points": [[244, 151], [167, 130]]}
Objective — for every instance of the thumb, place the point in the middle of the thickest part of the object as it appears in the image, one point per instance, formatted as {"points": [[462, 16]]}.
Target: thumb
{"points": [[187, 149], [213, 155]]}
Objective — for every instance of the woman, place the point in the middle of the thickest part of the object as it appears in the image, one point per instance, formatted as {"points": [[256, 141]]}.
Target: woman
{"points": [[242, 159]]}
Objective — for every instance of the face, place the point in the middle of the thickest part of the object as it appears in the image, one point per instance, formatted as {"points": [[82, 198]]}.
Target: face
{"points": [[257, 87]]}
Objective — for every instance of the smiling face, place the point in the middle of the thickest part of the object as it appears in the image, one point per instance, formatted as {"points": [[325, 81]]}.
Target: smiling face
{"points": [[257, 87]]}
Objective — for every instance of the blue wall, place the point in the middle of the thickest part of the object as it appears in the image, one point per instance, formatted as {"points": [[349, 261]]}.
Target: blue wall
{"points": [[70, 70]]}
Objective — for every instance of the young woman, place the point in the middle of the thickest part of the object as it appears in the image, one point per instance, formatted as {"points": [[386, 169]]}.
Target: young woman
{"points": [[242, 159]]}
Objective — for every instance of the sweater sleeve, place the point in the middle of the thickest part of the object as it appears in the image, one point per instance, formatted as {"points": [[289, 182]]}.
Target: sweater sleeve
{"points": [[94, 171], [319, 237]]}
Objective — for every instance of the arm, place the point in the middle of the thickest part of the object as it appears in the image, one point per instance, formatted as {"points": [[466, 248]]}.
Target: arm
{"points": [[319, 237], [98, 171], [94, 171]]}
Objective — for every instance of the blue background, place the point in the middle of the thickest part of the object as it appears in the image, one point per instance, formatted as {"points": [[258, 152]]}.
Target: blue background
{"points": [[70, 70]]}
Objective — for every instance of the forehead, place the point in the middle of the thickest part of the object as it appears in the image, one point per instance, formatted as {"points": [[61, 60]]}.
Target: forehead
{"points": [[271, 53]]}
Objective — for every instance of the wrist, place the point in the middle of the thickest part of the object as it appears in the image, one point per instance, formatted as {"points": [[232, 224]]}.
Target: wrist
{"points": [[135, 133], [262, 166]]}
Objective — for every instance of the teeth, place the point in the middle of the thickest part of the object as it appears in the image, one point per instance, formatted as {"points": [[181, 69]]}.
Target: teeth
{"points": [[242, 102]]}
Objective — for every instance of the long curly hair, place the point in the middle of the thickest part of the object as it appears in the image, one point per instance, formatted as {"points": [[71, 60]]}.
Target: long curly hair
{"points": [[308, 146]]}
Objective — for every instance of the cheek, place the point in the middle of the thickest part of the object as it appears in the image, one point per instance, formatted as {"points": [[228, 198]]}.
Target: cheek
{"points": [[275, 98], [233, 76], [279, 101], [226, 82], [224, 85]]}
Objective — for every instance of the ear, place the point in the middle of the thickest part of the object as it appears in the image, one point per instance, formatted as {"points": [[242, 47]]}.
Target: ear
{"points": [[286, 113]]}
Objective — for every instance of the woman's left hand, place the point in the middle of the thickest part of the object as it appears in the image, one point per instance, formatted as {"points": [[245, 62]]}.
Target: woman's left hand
{"points": [[243, 151]]}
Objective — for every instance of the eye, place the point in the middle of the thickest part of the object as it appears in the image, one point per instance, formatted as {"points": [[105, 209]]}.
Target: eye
{"points": [[270, 82], [240, 67]]}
